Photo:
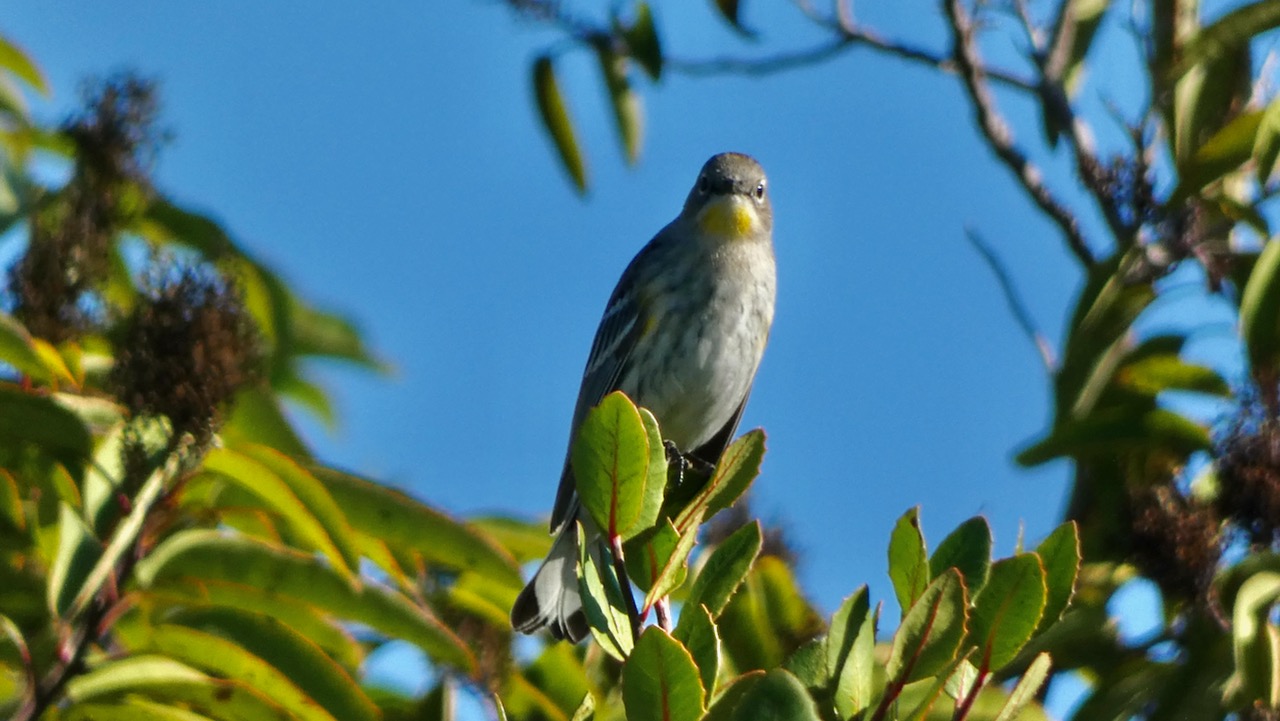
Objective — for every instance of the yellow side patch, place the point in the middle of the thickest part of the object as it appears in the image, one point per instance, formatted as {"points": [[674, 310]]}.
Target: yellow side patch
{"points": [[728, 217]]}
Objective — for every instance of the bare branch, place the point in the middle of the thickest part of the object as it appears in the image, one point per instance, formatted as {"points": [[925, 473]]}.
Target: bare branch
{"points": [[847, 38], [998, 135], [1011, 296]]}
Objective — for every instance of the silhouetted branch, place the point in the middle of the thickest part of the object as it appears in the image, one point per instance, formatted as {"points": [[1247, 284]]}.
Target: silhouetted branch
{"points": [[1011, 296], [998, 135]]}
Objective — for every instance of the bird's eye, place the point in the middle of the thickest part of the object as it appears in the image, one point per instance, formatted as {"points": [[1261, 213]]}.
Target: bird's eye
{"points": [[704, 185], [760, 192]]}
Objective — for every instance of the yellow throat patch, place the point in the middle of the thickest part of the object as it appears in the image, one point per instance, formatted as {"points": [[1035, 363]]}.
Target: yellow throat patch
{"points": [[728, 217]]}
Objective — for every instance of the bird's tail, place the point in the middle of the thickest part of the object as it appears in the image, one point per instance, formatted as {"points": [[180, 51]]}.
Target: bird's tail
{"points": [[552, 600]]}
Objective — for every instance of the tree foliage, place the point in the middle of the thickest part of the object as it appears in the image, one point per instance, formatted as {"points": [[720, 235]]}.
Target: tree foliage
{"points": [[171, 548]]}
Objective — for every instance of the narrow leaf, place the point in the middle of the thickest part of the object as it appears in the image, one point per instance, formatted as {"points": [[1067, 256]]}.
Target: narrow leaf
{"points": [[555, 119], [189, 556], [643, 43], [1026, 688], [908, 563], [1229, 33], [1260, 309], [628, 114], [1060, 553], [725, 569], [602, 600], [1266, 144], [731, 10], [855, 673], [696, 631]]}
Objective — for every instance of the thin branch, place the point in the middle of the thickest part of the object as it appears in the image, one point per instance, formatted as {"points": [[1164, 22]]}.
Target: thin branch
{"points": [[1012, 297], [846, 39], [998, 135]]}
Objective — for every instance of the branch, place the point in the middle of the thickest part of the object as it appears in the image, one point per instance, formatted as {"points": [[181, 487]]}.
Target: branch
{"points": [[996, 131], [847, 38], [1011, 296]]}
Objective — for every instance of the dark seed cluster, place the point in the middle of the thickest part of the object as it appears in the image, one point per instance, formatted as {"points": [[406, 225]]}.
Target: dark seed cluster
{"points": [[68, 255], [188, 346], [1176, 542], [1249, 472]]}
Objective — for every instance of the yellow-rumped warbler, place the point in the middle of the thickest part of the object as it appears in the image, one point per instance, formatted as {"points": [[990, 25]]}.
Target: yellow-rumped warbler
{"points": [[682, 335]]}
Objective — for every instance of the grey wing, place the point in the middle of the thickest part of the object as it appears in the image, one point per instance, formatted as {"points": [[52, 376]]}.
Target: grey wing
{"points": [[615, 339]]}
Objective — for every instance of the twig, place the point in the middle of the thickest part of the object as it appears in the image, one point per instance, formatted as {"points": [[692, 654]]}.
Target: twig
{"points": [[620, 568], [846, 39], [662, 608], [998, 135], [1011, 296]]}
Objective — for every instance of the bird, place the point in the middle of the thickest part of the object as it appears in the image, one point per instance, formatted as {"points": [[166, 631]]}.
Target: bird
{"points": [[682, 335]]}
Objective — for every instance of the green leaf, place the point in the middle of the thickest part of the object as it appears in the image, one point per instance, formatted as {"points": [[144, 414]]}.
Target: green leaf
{"points": [[1115, 430], [968, 550], [1226, 35], [778, 696], [809, 664], [660, 681], [1026, 688], [908, 562], [133, 709], [696, 631], [610, 460], [1224, 151], [256, 417], [932, 630], [293, 656], [559, 673], [302, 617], [295, 495], [555, 119], [1158, 373], [1260, 309], [41, 422], [655, 484], [921, 697], [227, 659], [408, 524], [658, 560], [602, 600], [78, 551], [643, 43], [723, 706], [628, 113], [524, 540], [13, 59], [328, 335], [768, 618], [17, 347], [1256, 641], [726, 568], [167, 679], [1266, 144], [1060, 553], [730, 10], [195, 555], [739, 465], [851, 646], [1007, 610]]}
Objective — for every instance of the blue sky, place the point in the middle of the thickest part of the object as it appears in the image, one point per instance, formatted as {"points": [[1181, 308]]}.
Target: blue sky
{"points": [[387, 162]]}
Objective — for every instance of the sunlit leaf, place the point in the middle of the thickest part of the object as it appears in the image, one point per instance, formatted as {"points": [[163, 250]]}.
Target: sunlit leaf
{"points": [[403, 522], [166, 679], [13, 59], [628, 113], [968, 550], [851, 645], [602, 599], [1026, 689], [555, 120], [1060, 553], [931, 631], [696, 631], [660, 681], [725, 568], [1266, 144], [1255, 640], [777, 696], [1007, 610], [610, 458], [908, 562], [78, 551], [200, 554]]}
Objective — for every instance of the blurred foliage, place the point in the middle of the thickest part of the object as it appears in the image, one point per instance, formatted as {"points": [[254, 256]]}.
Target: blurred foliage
{"points": [[171, 548], [1175, 183]]}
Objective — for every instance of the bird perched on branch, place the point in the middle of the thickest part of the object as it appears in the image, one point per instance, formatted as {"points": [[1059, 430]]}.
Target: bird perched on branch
{"points": [[682, 335]]}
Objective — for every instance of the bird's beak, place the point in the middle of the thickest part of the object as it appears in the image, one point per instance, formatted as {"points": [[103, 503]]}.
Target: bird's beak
{"points": [[728, 216]]}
